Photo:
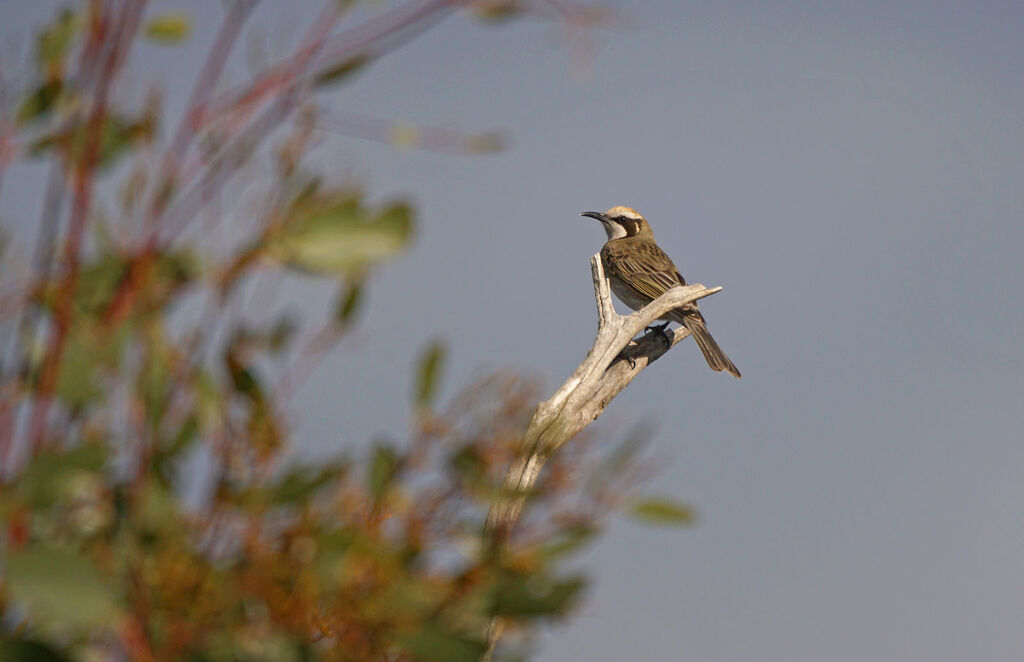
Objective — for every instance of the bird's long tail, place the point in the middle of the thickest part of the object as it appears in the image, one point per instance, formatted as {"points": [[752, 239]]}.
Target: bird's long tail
{"points": [[713, 354]]}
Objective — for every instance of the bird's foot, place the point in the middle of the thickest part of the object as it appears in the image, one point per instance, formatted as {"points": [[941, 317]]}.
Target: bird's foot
{"points": [[625, 355], [660, 328]]}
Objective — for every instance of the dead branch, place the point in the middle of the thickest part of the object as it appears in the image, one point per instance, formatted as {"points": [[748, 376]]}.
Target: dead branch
{"points": [[612, 363]]}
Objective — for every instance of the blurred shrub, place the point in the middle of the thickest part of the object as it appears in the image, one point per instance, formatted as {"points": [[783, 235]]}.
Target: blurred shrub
{"points": [[150, 508]]}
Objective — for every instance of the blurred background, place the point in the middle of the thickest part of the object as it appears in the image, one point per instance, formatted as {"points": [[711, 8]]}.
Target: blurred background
{"points": [[849, 172]]}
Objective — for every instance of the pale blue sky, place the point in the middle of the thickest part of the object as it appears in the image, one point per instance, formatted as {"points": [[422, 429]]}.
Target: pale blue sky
{"points": [[860, 488]]}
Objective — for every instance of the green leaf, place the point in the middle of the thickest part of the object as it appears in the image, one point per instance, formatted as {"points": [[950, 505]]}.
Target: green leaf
{"points": [[296, 486], [570, 541], [29, 651], [40, 102], [242, 378], [53, 43], [117, 135], [210, 400], [185, 436], [171, 271], [405, 135], [47, 478], [100, 279], [77, 384], [428, 373], [469, 465], [435, 643], [349, 302], [662, 510], [156, 509], [383, 468], [497, 11], [89, 349], [405, 598], [331, 548], [97, 282], [61, 588], [154, 382], [342, 70], [333, 234], [168, 28], [281, 333], [536, 596], [271, 338]]}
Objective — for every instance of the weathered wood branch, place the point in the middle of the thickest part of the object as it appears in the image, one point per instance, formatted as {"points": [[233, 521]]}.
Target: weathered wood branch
{"points": [[612, 363]]}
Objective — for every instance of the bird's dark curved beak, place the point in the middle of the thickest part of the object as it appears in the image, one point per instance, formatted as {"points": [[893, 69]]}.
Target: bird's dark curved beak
{"points": [[594, 214]]}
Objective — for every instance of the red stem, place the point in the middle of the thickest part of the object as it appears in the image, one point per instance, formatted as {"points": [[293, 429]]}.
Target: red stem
{"points": [[83, 173], [187, 206], [282, 81]]}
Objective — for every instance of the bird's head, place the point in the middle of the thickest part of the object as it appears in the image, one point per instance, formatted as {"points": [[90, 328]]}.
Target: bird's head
{"points": [[622, 222]]}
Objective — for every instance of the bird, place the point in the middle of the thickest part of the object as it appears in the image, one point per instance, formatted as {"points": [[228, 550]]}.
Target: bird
{"points": [[639, 272]]}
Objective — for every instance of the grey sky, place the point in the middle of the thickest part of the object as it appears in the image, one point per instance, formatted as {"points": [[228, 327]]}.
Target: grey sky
{"points": [[860, 488]]}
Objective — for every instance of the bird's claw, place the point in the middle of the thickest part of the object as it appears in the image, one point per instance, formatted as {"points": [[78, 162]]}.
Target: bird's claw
{"points": [[625, 356]]}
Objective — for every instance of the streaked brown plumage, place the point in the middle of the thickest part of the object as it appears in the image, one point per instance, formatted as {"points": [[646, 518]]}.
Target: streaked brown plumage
{"points": [[639, 272]]}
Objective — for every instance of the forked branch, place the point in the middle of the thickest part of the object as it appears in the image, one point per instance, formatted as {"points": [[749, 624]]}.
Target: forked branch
{"points": [[612, 363]]}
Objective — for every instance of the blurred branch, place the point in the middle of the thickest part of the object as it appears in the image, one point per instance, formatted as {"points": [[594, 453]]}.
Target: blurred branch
{"points": [[397, 23], [154, 497], [42, 259], [612, 363], [307, 359], [195, 112], [28, 321], [246, 140], [116, 46], [8, 150]]}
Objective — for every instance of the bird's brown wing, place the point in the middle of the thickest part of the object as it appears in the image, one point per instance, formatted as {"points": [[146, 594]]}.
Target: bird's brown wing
{"points": [[646, 270], [644, 267]]}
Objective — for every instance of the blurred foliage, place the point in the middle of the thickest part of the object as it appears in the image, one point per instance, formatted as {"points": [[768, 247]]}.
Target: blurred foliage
{"points": [[168, 28], [662, 511], [117, 134], [153, 506], [331, 233], [428, 373]]}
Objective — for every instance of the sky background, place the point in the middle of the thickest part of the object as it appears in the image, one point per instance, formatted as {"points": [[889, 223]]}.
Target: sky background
{"points": [[851, 173]]}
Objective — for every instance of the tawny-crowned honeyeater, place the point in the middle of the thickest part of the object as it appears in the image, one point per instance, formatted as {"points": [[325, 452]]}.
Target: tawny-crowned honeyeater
{"points": [[639, 271]]}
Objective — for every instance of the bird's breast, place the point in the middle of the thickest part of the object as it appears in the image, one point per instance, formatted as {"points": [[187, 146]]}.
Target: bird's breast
{"points": [[627, 295]]}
